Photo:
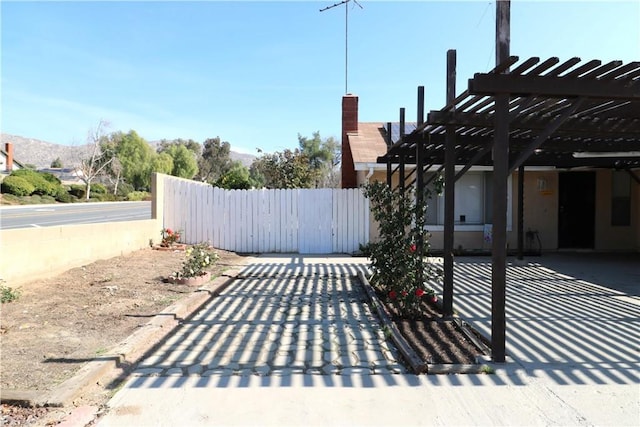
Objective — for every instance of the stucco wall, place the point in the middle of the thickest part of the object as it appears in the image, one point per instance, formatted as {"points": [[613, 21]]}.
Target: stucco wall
{"points": [[31, 253], [608, 237], [541, 215], [540, 206]]}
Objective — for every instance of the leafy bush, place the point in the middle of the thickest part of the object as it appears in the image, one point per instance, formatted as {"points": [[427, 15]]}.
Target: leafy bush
{"points": [[77, 190], [124, 189], [47, 199], [17, 186], [98, 188], [198, 258], [138, 196], [397, 259], [63, 196], [50, 178], [41, 184]]}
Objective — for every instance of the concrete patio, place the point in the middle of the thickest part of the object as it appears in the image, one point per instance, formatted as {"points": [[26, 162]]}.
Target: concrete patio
{"points": [[572, 340]]}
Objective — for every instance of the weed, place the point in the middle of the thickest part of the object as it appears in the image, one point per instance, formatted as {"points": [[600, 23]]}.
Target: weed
{"points": [[8, 294], [486, 369], [387, 331]]}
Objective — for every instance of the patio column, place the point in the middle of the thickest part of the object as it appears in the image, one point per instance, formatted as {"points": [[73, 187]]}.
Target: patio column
{"points": [[500, 174], [449, 191]]}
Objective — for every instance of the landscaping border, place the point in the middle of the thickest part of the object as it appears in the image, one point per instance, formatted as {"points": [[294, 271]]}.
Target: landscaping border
{"points": [[415, 362]]}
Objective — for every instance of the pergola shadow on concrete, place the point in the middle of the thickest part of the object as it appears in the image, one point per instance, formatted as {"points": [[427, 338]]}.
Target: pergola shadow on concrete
{"points": [[522, 113]]}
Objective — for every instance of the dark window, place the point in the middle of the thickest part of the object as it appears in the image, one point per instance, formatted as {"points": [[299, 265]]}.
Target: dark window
{"points": [[620, 198]]}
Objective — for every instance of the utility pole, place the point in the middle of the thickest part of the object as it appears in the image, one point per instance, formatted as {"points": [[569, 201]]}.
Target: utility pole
{"points": [[346, 37]]}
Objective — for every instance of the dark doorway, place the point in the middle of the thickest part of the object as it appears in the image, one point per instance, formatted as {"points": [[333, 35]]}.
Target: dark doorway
{"points": [[577, 210]]}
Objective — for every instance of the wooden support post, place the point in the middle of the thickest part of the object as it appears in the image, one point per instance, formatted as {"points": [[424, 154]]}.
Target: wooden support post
{"points": [[500, 175], [401, 183], [420, 212], [521, 213], [401, 177], [449, 191]]}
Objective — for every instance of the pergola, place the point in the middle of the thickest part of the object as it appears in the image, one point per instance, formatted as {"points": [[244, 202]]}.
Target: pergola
{"points": [[522, 113]]}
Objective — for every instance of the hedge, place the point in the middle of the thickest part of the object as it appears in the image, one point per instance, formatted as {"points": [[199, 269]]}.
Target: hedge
{"points": [[41, 185], [17, 186]]}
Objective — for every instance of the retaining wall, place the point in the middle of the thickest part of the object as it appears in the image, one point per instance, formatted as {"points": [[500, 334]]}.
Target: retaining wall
{"points": [[31, 253]]}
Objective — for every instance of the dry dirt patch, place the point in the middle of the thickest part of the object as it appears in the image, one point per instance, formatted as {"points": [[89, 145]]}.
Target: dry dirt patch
{"points": [[60, 323]]}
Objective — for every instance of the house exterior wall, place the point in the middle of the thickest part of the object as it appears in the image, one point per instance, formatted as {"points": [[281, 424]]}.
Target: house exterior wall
{"points": [[540, 207], [541, 214], [608, 237]]}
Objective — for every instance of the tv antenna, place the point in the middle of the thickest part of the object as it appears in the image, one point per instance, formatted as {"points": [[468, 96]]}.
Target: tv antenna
{"points": [[346, 36]]}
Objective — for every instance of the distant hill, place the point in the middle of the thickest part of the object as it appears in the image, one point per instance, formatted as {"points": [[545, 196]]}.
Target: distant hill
{"points": [[42, 153]]}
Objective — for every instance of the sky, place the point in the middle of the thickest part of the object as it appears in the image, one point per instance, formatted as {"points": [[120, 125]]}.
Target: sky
{"points": [[258, 74]]}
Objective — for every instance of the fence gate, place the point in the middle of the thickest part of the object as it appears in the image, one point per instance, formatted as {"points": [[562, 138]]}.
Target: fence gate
{"points": [[259, 221], [315, 234]]}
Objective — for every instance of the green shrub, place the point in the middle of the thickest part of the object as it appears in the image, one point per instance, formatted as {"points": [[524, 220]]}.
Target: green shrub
{"points": [[34, 199], [63, 195], [400, 270], [17, 186], [47, 199], [98, 188], [77, 190], [50, 178], [138, 196], [124, 189], [37, 179], [108, 197]]}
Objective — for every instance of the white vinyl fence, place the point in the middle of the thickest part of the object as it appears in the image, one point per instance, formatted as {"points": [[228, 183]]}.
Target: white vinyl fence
{"points": [[257, 221]]}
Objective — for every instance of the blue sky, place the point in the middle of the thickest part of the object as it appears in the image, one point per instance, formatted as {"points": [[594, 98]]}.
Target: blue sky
{"points": [[258, 73]]}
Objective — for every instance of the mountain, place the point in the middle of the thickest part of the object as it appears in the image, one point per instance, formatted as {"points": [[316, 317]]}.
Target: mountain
{"points": [[42, 153]]}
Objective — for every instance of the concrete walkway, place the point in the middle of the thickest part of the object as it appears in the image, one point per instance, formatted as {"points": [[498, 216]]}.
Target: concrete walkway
{"points": [[292, 343]]}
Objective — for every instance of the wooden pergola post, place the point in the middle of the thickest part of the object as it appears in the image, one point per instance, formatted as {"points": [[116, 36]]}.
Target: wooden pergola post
{"points": [[449, 191], [500, 176]]}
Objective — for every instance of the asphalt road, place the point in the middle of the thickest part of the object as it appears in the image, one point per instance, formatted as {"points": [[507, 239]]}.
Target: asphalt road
{"points": [[68, 214]]}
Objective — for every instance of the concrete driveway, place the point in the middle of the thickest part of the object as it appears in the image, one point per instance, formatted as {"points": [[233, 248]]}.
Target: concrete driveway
{"points": [[573, 346]]}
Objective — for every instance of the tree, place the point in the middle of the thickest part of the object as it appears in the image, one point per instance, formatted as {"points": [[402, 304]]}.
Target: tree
{"points": [[286, 169], [237, 178], [113, 171], [162, 163], [324, 157], [98, 160], [135, 156], [57, 163], [215, 159], [185, 164], [191, 145]]}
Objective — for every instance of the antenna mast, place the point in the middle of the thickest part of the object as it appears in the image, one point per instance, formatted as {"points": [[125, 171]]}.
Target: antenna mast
{"points": [[346, 36]]}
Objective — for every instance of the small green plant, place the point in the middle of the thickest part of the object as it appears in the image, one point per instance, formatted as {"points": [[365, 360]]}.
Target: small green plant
{"points": [[8, 294], [386, 330], [198, 258], [486, 369]]}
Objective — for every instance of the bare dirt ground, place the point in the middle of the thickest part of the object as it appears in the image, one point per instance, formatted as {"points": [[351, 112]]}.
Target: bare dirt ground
{"points": [[60, 323]]}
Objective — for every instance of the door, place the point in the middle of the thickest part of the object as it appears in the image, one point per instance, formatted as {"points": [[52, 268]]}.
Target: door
{"points": [[576, 210], [315, 210]]}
